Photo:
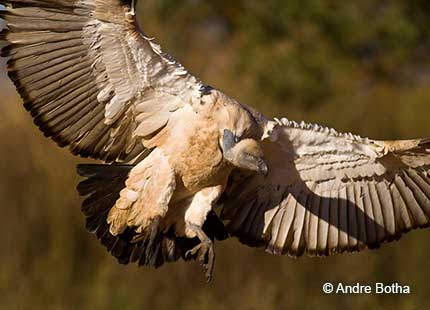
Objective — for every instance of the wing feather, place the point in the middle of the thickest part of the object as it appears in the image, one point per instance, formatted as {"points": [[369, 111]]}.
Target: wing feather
{"points": [[323, 224], [283, 227], [299, 219], [341, 193], [352, 217], [90, 78], [333, 237], [343, 220], [312, 216]]}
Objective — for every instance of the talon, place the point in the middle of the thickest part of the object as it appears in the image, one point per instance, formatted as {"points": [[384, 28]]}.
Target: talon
{"points": [[189, 254], [206, 257], [202, 260], [205, 251], [210, 264], [193, 251]]}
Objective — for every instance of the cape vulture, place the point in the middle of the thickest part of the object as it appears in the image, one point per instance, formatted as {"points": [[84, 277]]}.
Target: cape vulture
{"points": [[183, 163]]}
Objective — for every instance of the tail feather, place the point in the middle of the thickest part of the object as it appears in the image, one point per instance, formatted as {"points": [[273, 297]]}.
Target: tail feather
{"points": [[101, 188]]}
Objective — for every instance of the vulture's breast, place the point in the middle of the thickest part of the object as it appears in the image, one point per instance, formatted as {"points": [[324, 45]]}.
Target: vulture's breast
{"points": [[201, 163]]}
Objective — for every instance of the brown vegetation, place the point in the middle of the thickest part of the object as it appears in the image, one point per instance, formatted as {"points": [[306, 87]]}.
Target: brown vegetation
{"points": [[357, 67]]}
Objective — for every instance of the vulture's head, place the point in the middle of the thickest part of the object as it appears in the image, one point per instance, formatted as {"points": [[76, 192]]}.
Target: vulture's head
{"points": [[240, 139], [244, 153]]}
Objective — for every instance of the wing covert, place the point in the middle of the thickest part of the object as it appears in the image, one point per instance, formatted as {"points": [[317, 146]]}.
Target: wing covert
{"points": [[329, 192], [90, 78]]}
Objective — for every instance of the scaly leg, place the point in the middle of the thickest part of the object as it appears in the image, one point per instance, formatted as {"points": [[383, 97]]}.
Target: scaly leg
{"points": [[195, 217], [204, 251]]}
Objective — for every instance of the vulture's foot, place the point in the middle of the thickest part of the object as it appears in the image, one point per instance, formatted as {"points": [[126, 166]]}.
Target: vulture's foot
{"points": [[204, 252]]}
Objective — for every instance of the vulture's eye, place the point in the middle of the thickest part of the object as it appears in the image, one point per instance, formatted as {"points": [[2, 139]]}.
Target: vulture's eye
{"points": [[237, 139]]}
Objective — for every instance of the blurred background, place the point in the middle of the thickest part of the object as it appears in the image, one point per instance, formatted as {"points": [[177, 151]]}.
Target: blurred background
{"points": [[360, 66]]}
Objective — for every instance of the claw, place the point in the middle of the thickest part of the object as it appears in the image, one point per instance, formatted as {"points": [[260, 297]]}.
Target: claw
{"points": [[190, 254], [210, 264], [206, 257]]}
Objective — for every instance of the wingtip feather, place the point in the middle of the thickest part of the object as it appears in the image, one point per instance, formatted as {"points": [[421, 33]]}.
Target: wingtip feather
{"points": [[400, 146]]}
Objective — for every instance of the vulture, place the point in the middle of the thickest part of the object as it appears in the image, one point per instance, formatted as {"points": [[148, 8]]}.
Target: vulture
{"points": [[182, 164]]}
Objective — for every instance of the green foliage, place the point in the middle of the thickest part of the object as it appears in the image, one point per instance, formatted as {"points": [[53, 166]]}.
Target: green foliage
{"points": [[297, 51]]}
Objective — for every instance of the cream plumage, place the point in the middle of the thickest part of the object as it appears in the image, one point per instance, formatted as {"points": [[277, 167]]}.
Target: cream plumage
{"points": [[176, 150]]}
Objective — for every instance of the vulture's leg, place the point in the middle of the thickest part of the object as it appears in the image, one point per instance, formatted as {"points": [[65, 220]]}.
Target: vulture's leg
{"points": [[204, 251], [195, 217]]}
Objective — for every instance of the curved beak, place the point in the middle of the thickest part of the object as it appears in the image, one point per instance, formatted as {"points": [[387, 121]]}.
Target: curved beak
{"points": [[246, 154]]}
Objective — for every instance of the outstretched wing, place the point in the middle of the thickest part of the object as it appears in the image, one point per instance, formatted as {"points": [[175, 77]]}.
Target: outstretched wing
{"points": [[89, 77], [329, 192]]}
